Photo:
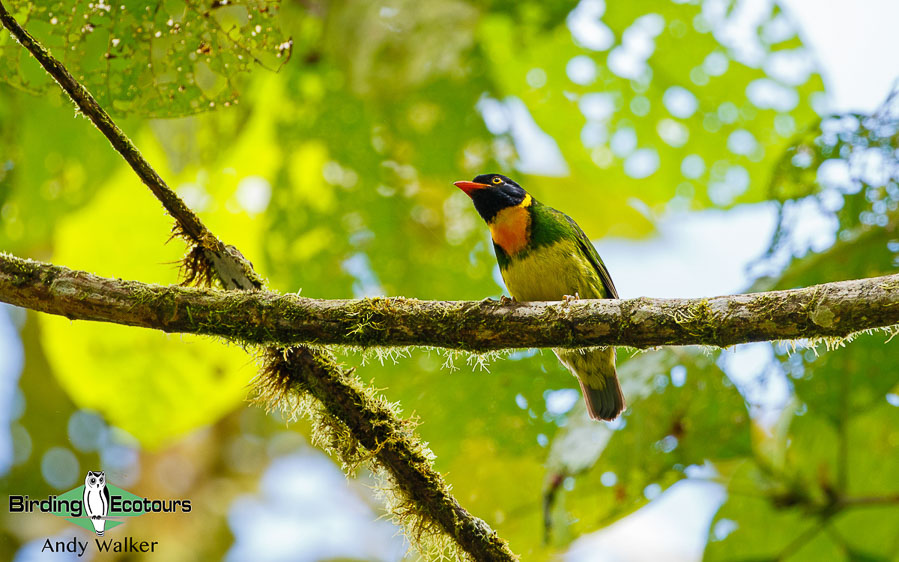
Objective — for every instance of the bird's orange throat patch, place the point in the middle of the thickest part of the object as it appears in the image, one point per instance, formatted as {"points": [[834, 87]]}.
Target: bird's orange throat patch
{"points": [[511, 227]]}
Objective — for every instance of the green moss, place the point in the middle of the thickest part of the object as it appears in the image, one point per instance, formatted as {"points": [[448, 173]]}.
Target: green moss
{"points": [[23, 272], [699, 320], [369, 314]]}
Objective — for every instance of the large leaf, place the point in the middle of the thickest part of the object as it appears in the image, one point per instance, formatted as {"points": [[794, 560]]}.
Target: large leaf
{"points": [[50, 164], [163, 58], [787, 511], [155, 386]]}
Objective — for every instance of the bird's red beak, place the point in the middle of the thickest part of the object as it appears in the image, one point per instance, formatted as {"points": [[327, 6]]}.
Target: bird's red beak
{"points": [[469, 186]]}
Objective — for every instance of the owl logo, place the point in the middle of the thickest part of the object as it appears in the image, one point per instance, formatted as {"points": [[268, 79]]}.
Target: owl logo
{"points": [[96, 500]]}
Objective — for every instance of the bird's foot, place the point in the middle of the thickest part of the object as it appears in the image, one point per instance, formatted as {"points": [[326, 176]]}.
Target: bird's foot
{"points": [[568, 299], [502, 300]]}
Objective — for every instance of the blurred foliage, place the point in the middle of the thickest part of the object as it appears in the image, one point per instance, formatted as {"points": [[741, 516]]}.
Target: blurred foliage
{"points": [[334, 177], [677, 417], [846, 164], [822, 484], [174, 373]]}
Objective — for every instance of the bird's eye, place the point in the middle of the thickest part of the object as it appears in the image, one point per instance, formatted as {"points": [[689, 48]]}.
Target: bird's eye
{"points": [[497, 180]]}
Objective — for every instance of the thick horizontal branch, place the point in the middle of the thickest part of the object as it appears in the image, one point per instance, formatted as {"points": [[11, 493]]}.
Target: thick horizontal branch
{"points": [[829, 310]]}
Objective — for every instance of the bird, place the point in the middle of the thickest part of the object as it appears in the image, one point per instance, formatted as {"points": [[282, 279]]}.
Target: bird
{"points": [[543, 255], [96, 500]]}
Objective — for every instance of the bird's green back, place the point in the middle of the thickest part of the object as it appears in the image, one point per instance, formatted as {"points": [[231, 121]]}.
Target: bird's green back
{"points": [[559, 260]]}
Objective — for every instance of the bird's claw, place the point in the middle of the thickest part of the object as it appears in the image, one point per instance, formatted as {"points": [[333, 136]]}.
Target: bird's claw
{"points": [[502, 300], [568, 299]]}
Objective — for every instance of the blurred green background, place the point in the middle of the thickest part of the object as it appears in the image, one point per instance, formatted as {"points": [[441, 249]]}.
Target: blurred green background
{"points": [[696, 139]]}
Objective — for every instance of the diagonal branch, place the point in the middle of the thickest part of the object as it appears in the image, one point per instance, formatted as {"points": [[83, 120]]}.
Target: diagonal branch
{"points": [[833, 310], [423, 497]]}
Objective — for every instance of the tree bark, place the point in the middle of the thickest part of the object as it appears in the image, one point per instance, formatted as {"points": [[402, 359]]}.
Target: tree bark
{"points": [[831, 310]]}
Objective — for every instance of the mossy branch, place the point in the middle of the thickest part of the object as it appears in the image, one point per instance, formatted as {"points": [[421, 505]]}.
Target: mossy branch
{"points": [[831, 310], [370, 432], [346, 421]]}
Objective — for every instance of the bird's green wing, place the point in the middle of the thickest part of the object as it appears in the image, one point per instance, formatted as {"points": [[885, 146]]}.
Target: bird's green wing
{"points": [[589, 250]]}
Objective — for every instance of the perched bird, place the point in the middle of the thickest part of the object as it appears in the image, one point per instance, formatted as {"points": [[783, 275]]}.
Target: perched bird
{"points": [[544, 255]]}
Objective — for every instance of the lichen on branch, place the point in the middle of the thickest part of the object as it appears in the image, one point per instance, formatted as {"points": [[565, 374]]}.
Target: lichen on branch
{"points": [[831, 310]]}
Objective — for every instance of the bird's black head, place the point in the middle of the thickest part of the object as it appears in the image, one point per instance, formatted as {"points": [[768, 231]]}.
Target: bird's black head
{"points": [[491, 193]]}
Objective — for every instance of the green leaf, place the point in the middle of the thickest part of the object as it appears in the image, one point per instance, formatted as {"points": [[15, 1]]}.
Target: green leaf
{"points": [[49, 166], [157, 387], [837, 473], [163, 59], [750, 527]]}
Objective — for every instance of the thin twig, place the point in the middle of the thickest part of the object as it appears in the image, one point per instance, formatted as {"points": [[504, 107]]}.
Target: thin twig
{"points": [[865, 501]]}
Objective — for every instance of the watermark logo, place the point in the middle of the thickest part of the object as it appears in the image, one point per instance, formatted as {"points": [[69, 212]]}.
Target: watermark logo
{"points": [[97, 506], [96, 501]]}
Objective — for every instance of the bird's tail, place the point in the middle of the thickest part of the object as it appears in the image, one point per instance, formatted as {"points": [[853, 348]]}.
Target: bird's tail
{"points": [[595, 370]]}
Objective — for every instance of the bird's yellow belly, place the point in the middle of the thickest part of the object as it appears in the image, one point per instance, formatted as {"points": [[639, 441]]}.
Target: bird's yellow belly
{"points": [[551, 272]]}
